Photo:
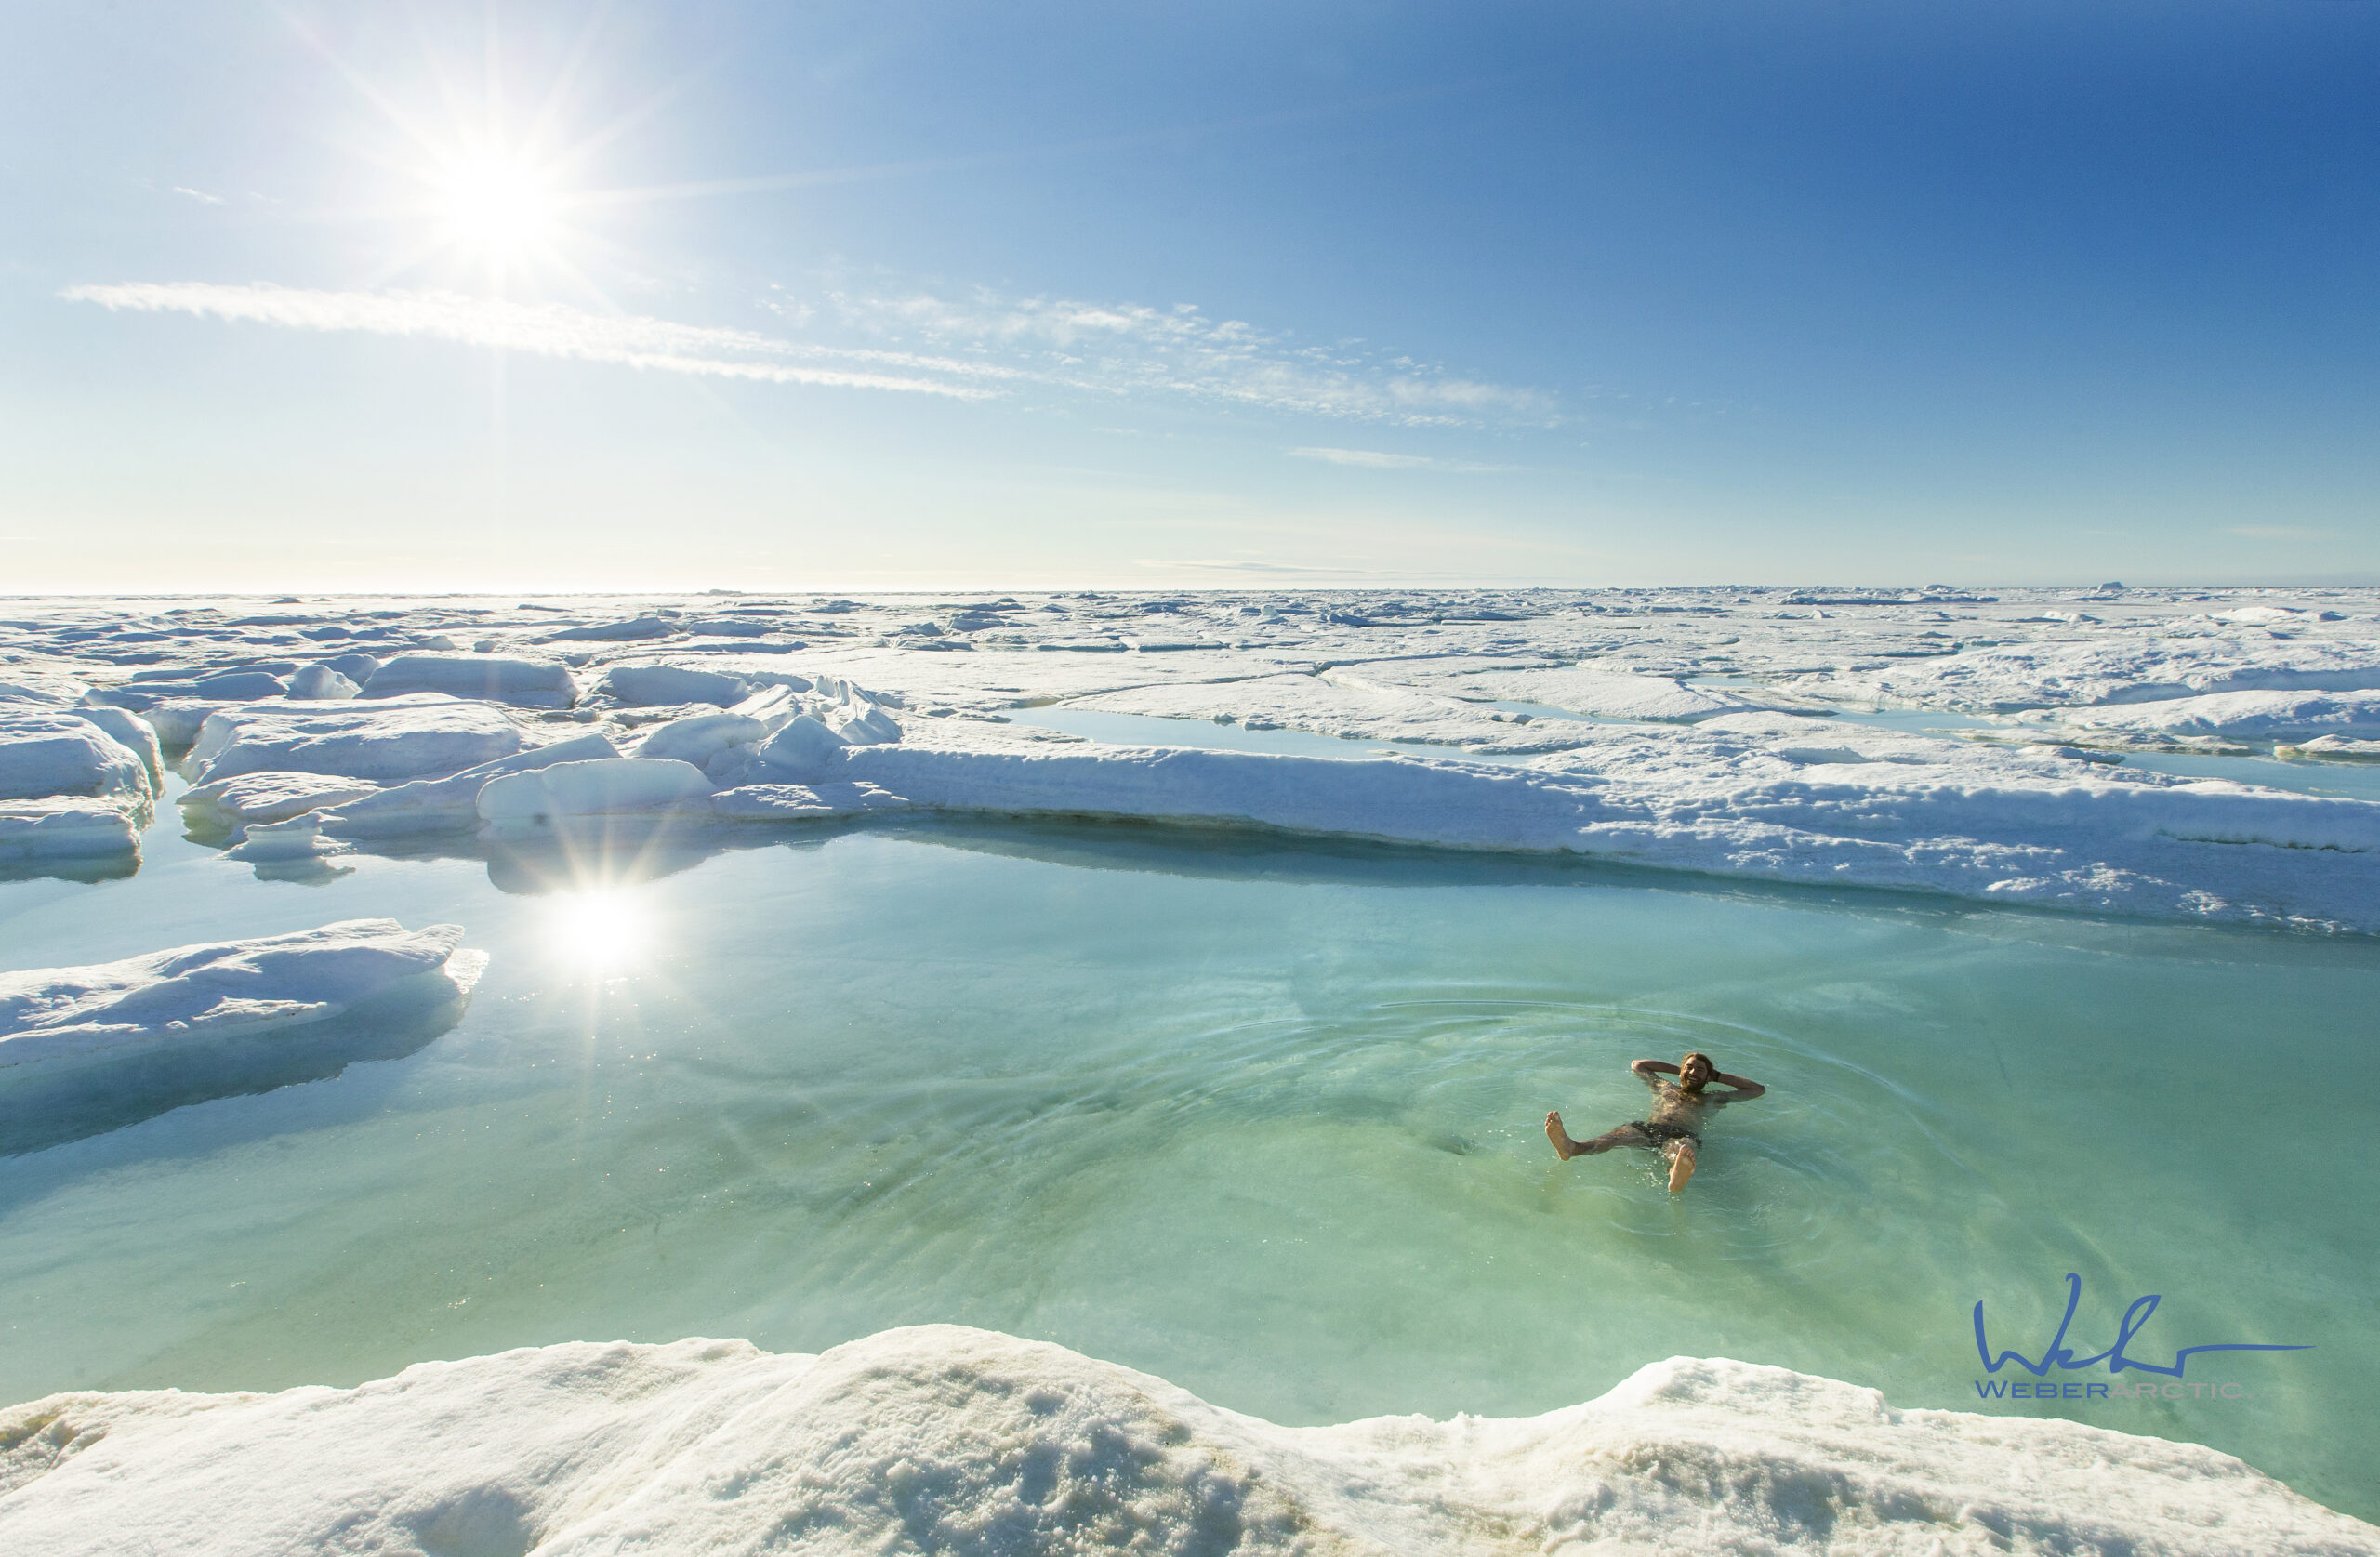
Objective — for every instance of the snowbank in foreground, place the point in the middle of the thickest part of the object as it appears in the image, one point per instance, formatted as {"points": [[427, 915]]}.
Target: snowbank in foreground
{"points": [[940, 1438], [220, 990]]}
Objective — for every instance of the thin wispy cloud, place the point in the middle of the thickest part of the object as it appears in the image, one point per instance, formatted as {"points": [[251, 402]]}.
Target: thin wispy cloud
{"points": [[543, 329], [914, 342], [1136, 348], [2276, 532], [200, 196], [1373, 459]]}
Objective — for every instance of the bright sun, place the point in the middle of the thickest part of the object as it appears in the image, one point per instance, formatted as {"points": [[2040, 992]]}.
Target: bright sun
{"points": [[504, 209], [598, 928]]}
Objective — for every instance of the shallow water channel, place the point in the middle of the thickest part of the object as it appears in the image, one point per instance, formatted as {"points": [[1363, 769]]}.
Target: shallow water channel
{"points": [[1260, 1116]]}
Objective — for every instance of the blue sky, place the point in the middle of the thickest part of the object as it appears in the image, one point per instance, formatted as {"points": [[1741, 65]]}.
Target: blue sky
{"points": [[851, 296]]}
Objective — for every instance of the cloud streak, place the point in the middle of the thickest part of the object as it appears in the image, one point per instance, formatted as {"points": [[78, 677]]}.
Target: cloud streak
{"points": [[542, 329], [1372, 459], [1124, 348], [976, 347]]}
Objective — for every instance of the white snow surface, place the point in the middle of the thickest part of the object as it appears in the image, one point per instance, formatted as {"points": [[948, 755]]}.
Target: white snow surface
{"points": [[2259, 716], [241, 801], [604, 786], [434, 805], [925, 700], [45, 753], [385, 742], [940, 1438], [65, 827], [524, 683], [224, 988]]}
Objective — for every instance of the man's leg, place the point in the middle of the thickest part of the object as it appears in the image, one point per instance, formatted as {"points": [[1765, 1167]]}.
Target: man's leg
{"points": [[1626, 1135], [1681, 1155]]}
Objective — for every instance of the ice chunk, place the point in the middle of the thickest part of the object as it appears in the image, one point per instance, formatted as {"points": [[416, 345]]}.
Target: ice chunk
{"points": [[702, 737], [2334, 748], [321, 681], [239, 802], [60, 752], [862, 724], [291, 838], [613, 632], [239, 686], [131, 731], [38, 687], [65, 828], [385, 742], [945, 1439], [2241, 715], [804, 750], [1606, 693], [177, 720], [1880, 810], [73, 1015], [779, 802], [431, 805], [522, 683], [648, 685], [607, 786]]}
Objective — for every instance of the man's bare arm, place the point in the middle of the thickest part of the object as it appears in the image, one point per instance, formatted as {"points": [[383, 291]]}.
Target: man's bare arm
{"points": [[1744, 1090], [1653, 1070]]}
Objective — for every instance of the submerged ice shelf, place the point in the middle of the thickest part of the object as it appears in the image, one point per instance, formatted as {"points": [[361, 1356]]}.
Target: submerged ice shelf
{"points": [[943, 1438]]}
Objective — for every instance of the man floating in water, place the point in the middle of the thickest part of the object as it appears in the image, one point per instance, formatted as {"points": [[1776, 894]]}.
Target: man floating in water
{"points": [[1674, 1124]]}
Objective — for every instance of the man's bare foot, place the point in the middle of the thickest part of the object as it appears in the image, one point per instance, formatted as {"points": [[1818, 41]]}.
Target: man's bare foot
{"points": [[1681, 1164], [1564, 1147]]}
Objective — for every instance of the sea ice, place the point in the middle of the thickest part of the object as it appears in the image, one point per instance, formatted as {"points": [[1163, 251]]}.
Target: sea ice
{"points": [[652, 684], [65, 828], [2254, 715], [45, 753], [321, 681], [238, 803], [522, 683], [1717, 786], [387, 741], [72, 1015], [131, 731], [945, 1439], [605, 787], [436, 805], [701, 737], [611, 632]]}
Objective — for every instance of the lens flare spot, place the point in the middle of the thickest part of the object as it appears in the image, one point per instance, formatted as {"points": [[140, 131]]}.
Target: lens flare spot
{"points": [[598, 930]]}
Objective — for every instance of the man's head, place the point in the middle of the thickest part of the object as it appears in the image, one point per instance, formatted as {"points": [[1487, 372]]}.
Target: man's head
{"points": [[1695, 1071]]}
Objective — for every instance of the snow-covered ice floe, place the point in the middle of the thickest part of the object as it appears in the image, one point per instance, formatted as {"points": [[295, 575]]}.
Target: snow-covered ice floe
{"points": [[940, 1438], [2281, 717], [1730, 760], [67, 1017], [387, 742], [70, 790]]}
